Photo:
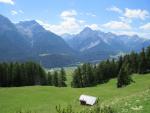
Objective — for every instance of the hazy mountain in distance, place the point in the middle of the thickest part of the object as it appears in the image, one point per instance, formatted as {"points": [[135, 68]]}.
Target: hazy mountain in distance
{"points": [[88, 39], [43, 41], [95, 44], [45, 45], [67, 36], [28, 40], [13, 45]]}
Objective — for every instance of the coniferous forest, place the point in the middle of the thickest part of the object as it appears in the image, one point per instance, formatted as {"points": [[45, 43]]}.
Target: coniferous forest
{"points": [[89, 75], [86, 75], [28, 74]]}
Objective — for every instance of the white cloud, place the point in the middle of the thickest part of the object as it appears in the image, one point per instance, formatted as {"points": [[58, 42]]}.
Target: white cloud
{"points": [[132, 33], [68, 14], [81, 21], [13, 12], [91, 14], [69, 26], [93, 26], [145, 27], [115, 9], [7, 2], [127, 14], [125, 19], [44, 24], [136, 13], [145, 35], [129, 33], [20, 11], [116, 25], [69, 23]]}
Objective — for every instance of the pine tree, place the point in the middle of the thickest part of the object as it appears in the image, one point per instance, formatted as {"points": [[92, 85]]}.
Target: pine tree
{"points": [[49, 78], [95, 74], [142, 62], [134, 62], [120, 62], [1, 80], [24, 75], [113, 68], [21, 74], [90, 74], [61, 80], [3, 75], [148, 58], [77, 78], [42, 74], [124, 77], [84, 75], [55, 79], [63, 74], [99, 72]]}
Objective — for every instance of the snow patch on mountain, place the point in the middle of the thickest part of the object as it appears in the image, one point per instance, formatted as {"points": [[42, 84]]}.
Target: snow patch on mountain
{"points": [[91, 45]]}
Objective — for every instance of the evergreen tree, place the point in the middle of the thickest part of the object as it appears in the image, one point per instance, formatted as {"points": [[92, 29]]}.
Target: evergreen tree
{"points": [[55, 78], [124, 76], [90, 74], [134, 62], [77, 78], [99, 73], [84, 75], [21, 74], [148, 58], [142, 62], [49, 78], [61, 80], [113, 69], [43, 78], [95, 74], [63, 74], [120, 62], [3, 75]]}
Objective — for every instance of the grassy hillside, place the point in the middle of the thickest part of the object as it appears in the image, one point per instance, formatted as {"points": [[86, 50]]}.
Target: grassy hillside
{"points": [[43, 99]]}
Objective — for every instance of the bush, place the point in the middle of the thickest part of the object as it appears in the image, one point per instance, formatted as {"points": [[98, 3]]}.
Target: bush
{"points": [[95, 109]]}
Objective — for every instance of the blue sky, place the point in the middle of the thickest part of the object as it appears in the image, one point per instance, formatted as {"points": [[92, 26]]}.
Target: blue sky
{"points": [[71, 16]]}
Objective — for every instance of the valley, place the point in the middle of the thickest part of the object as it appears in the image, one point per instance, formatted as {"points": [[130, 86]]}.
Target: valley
{"points": [[29, 41], [74, 56]]}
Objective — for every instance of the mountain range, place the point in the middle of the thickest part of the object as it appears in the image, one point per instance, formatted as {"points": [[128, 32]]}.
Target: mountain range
{"points": [[98, 45], [28, 40]]}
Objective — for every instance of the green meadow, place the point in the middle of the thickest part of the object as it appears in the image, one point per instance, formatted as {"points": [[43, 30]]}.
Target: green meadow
{"points": [[44, 99]]}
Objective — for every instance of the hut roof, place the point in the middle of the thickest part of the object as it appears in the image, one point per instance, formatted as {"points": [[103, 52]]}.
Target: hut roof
{"points": [[90, 100]]}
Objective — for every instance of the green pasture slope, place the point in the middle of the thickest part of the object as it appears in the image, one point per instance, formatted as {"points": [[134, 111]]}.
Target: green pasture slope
{"points": [[43, 99]]}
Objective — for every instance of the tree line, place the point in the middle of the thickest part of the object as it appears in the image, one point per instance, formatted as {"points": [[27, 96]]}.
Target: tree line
{"points": [[88, 75], [57, 78], [28, 74]]}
